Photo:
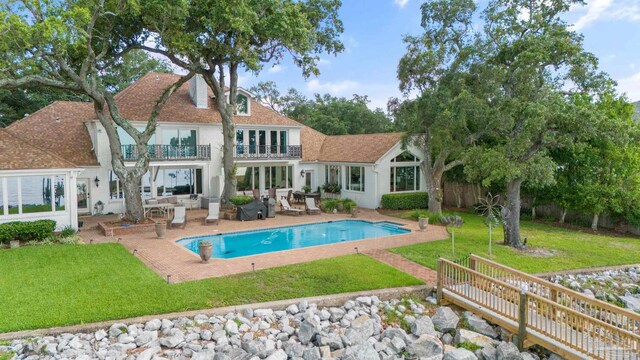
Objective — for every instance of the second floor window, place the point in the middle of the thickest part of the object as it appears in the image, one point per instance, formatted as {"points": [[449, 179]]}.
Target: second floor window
{"points": [[242, 104]]}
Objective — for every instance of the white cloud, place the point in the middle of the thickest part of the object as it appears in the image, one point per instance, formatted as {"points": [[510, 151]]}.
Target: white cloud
{"points": [[598, 10], [338, 88], [401, 3], [276, 68], [631, 86]]}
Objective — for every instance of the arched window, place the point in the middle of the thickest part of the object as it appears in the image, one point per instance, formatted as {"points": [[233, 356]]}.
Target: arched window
{"points": [[405, 157]]}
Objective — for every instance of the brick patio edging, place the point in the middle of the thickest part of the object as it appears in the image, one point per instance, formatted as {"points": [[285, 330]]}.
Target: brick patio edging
{"points": [[420, 291]]}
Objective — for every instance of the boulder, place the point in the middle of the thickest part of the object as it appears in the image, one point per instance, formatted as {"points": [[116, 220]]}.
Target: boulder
{"points": [[488, 353], [255, 347], [459, 354], [307, 331], [445, 319], [468, 336], [631, 302], [360, 330], [508, 351], [425, 346], [423, 326], [480, 325]]}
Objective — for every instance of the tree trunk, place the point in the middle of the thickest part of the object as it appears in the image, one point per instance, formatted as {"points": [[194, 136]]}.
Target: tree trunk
{"points": [[434, 179], [533, 213], [511, 214], [563, 215], [132, 198], [594, 222], [230, 181]]}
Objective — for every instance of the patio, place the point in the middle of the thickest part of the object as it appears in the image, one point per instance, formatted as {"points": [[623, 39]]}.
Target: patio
{"points": [[167, 258]]}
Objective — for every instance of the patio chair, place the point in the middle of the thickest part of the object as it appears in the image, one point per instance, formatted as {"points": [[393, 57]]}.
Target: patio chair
{"points": [[312, 208], [256, 193], [179, 217], [287, 209], [272, 193], [214, 213]]}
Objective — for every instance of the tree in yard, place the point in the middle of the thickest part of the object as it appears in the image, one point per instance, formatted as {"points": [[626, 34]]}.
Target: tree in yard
{"points": [[69, 46], [130, 67], [444, 119], [536, 72], [219, 38]]}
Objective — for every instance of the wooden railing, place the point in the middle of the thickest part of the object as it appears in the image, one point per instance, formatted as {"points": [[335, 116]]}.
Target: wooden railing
{"points": [[500, 296], [611, 314]]}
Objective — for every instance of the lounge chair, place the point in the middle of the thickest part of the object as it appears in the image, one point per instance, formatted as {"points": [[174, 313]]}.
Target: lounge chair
{"points": [[214, 213], [312, 208], [287, 209], [179, 217]]}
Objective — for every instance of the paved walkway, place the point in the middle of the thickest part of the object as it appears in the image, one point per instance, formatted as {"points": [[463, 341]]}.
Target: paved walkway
{"points": [[423, 273], [166, 257]]}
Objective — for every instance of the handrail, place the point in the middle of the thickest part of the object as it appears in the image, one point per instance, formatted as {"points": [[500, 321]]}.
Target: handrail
{"points": [[252, 152], [168, 152], [558, 293], [549, 318]]}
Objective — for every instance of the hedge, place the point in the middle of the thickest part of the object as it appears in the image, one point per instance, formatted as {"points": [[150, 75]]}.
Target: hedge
{"points": [[405, 201], [26, 230], [240, 200]]}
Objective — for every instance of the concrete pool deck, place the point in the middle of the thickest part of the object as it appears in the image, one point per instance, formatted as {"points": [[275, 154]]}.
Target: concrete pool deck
{"points": [[167, 258]]}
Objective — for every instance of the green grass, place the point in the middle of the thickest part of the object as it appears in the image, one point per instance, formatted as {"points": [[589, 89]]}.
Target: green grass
{"points": [[573, 249], [44, 286]]}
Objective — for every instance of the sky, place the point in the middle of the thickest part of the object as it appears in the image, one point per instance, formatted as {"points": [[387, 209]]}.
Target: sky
{"points": [[373, 41]]}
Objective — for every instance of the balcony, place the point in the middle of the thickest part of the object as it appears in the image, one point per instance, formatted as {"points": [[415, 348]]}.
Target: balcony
{"points": [[267, 152], [168, 152]]}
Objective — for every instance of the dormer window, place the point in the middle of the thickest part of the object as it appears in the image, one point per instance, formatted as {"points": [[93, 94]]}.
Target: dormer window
{"points": [[242, 104]]}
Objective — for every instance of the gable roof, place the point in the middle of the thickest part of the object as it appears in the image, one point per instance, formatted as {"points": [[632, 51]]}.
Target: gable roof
{"points": [[18, 154], [362, 148], [137, 100], [66, 137]]}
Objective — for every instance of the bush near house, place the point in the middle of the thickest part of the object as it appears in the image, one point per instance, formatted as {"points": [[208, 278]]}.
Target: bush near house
{"points": [[26, 230], [405, 201], [328, 205], [240, 200]]}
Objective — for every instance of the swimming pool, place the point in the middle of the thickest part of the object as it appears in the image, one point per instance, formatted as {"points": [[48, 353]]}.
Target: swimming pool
{"points": [[243, 243]]}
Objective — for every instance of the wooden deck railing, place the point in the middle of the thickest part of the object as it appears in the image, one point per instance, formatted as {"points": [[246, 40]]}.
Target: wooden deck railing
{"points": [[499, 295], [611, 314]]}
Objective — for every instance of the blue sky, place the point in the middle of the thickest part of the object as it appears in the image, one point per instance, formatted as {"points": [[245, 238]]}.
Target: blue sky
{"points": [[373, 39]]}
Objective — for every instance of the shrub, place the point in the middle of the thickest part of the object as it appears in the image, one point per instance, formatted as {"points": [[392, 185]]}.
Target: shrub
{"points": [[240, 200], [328, 205], [67, 231], [416, 214], [27, 230], [406, 201], [332, 188]]}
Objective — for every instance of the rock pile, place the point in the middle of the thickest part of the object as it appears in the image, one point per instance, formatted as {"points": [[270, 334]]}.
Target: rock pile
{"points": [[620, 287], [362, 329]]}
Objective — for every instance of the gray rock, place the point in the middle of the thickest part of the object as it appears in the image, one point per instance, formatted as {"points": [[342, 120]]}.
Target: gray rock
{"points": [[459, 354], [527, 356], [445, 319], [508, 351], [255, 347], [336, 314], [488, 353], [423, 326], [100, 334], [262, 312], [206, 354], [117, 329], [364, 351], [480, 325], [231, 327], [631, 302], [278, 355], [146, 337], [293, 309], [239, 354], [360, 330], [174, 338], [149, 353], [166, 324], [425, 346], [333, 341], [307, 331], [311, 354], [247, 312], [365, 300], [471, 337], [125, 339]]}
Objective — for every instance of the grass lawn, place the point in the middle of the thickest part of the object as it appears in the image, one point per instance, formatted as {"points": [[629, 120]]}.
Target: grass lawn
{"points": [[44, 286], [573, 249]]}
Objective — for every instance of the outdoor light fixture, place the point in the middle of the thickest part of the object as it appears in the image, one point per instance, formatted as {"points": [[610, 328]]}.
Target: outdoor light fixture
{"points": [[301, 173], [97, 181]]}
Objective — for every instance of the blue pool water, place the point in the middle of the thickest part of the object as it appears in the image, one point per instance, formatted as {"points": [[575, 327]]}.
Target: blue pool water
{"points": [[243, 243]]}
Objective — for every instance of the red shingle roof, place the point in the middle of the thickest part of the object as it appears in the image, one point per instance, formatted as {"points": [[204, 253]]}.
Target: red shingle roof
{"points": [[18, 154], [363, 148], [66, 137]]}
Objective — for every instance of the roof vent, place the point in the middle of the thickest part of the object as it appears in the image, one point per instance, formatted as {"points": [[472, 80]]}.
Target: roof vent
{"points": [[56, 119]]}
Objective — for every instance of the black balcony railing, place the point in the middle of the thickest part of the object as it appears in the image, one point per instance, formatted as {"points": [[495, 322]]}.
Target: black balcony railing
{"points": [[256, 152], [168, 152]]}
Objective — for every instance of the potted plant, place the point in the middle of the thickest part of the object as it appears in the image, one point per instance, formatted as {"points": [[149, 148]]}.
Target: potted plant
{"points": [[205, 251], [161, 229], [423, 222], [306, 189]]}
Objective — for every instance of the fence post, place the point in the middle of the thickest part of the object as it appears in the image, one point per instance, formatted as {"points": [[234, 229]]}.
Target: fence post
{"points": [[472, 263], [522, 318], [439, 283]]}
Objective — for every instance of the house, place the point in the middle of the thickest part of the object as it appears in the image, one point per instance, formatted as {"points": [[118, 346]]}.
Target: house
{"points": [[272, 151]]}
